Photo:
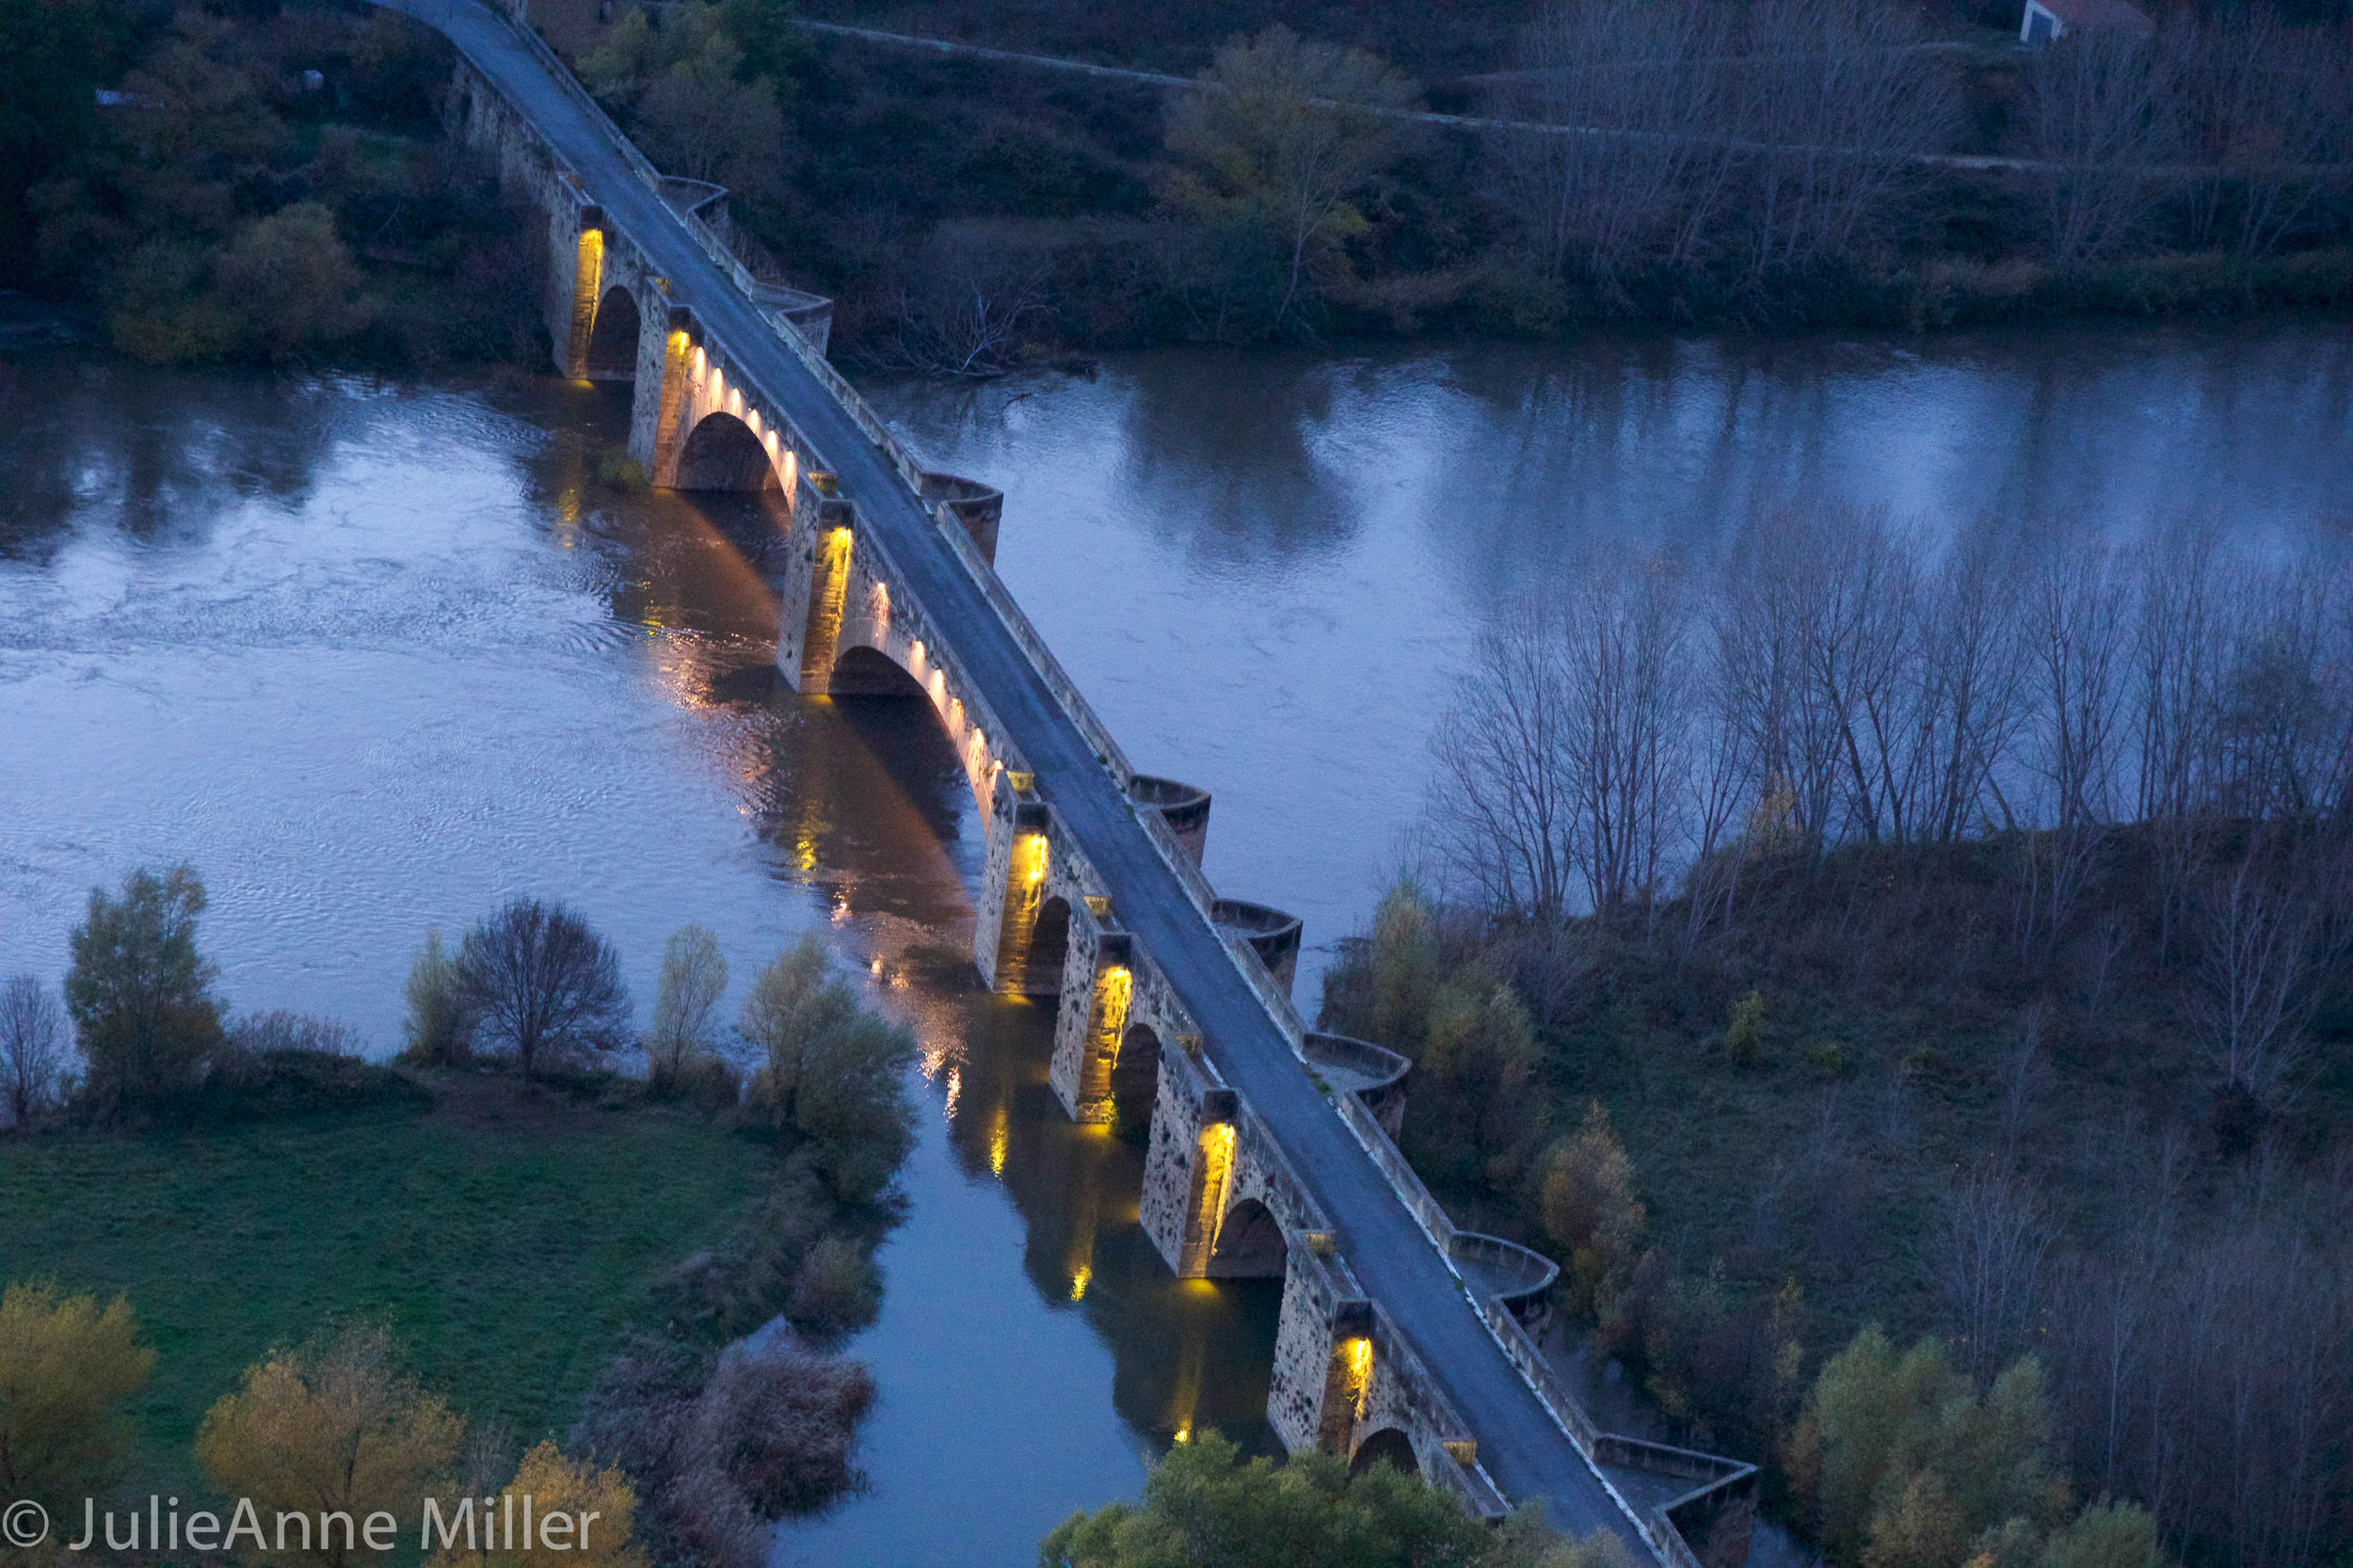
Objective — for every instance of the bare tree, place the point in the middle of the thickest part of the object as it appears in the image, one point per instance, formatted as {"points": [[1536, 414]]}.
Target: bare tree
{"points": [[694, 976], [32, 1048], [1970, 675], [970, 294], [1502, 810], [1986, 1250], [2095, 113], [535, 975], [2263, 106], [2269, 933], [1623, 737]]}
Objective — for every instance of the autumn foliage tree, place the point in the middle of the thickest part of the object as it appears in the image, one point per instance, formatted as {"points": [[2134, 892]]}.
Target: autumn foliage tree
{"points": [[1588, 1208], [336, 1426], [139, 992], [556, 1484], [66, 1365]]}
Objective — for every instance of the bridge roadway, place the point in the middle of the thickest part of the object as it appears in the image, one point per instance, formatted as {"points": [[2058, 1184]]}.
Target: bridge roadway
{"points": [[1523, 1450]]}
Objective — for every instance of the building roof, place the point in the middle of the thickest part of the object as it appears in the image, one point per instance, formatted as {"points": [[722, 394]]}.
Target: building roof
{"points": [[2079, 14]]}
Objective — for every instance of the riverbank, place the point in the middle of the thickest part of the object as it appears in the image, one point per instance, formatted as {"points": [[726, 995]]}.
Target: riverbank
{"points": [[983, 201]]}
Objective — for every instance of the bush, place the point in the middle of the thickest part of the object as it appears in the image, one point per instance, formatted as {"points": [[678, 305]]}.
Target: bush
{"points": [[437, 1030], [1744, 1037], [721, 1447], [836, 1290], [282, 1083], [1588, 1208]]}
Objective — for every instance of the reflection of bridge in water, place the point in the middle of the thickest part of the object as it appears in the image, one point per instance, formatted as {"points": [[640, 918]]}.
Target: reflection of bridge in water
{"points": [[1267, 1148]]}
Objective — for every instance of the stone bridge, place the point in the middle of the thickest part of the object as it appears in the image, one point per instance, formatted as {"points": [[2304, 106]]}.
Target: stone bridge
{"points": [[1270, 1146]]}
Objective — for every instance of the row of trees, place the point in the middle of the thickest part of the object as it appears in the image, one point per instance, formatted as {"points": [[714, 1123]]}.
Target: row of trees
{"points": [[1784, 159], [1836, 683], [1790, 135], [254, 187]]}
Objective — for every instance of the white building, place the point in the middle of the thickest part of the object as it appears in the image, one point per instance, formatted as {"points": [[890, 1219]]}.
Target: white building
{"points": [[2048, 19]]}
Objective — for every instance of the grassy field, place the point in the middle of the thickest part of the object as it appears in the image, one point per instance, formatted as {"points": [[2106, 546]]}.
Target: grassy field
{"points": [[505, 1234]]}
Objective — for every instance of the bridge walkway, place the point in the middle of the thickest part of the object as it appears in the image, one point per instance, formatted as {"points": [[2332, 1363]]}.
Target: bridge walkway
{"points": [[1520, 1446]]}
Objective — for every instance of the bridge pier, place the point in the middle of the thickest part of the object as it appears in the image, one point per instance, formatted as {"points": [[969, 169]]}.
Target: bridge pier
{"points": [[1091, 1020]]}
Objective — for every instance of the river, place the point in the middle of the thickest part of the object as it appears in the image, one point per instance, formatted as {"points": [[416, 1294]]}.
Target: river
{"points": [[373, 657]]}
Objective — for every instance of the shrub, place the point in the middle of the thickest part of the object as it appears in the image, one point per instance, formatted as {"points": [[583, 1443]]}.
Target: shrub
{"points": [[1586, 1207], [836, 1288], [437, 1030], [1744, 1037]]}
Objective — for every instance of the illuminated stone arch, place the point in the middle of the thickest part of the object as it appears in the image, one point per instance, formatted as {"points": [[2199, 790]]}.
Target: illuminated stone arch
{"points": [[1136, 1080], [865, 671], [613, 341], [1049, 947], [721, 454]]}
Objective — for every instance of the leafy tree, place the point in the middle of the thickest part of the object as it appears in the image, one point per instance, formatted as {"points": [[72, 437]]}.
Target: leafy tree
{"points": [[833, 1071], [66, 1368], [291, 280], [556, 1484], [2108, 1535], [694, 976], [139, 992], [1206, 1507], [1588, 1208], [336, 1426], [1405, 970], [437, 1027], [1283, 136], [535, 976], [1474, 1072], [1907, 1468], [32, 1048], [773, 48]]}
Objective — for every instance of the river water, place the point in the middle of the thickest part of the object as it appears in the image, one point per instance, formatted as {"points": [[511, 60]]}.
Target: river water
{"points": [[373, 657]]}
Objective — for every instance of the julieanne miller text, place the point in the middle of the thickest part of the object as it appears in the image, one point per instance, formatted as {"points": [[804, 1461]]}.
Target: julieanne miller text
{"points": [[502, 1523]]}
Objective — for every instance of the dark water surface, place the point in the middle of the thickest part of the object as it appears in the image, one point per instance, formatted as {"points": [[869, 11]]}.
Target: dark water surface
{"points": [[373, 658]]}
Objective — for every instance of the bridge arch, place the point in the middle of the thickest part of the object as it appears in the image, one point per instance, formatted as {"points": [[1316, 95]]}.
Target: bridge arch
{"points": [[865, 671], [721, 454], [1050, 946], [1249, 1243], [1390, 1446], [1136, 1080], [612, 339]]}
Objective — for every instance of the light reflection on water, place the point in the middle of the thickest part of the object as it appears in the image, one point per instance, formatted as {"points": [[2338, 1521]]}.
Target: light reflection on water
{"points": [[373, 659]]}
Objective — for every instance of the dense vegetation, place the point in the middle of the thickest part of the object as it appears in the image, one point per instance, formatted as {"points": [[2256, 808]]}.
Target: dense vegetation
{"points": [[1957, 944], [967, 213], [1206, 1507], [451, 1244], [262, 181]]}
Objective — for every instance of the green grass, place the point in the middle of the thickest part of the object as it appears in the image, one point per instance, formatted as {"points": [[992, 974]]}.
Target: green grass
{"points": [[505, 1234]]}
